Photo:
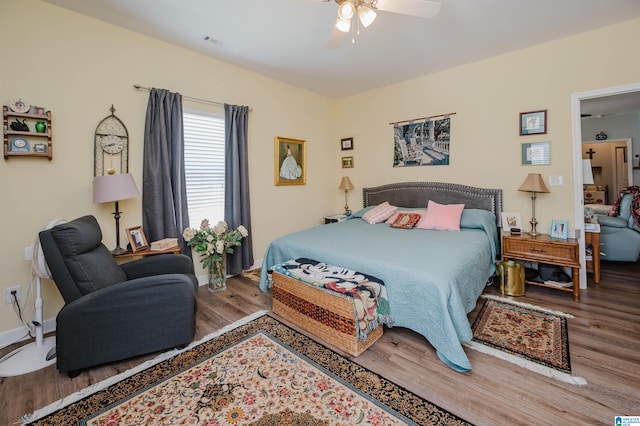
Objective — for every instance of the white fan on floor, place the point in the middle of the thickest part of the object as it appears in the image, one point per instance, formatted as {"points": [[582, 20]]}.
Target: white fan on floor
{"points": [[353, 13], [42, 352]]}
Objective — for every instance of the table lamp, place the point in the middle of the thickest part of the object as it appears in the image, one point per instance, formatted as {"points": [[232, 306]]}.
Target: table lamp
{"points": [[534, 184], [346, 185], [587, 172], [115, 188]]}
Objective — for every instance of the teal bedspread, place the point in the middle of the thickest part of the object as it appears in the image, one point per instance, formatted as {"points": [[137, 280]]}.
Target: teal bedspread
{"points": [[433, 278]]}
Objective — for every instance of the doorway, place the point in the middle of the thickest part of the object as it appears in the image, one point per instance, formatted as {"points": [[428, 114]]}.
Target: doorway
{"points": [[611, 167], [576, 129]]}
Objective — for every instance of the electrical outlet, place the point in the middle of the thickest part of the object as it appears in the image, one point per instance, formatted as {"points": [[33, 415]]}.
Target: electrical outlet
{"points": [[9, 296]]}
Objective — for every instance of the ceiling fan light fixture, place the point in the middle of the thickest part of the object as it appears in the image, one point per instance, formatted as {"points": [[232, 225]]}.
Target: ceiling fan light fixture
{"points": [[346, 10], [343, 25], [366, 15]]}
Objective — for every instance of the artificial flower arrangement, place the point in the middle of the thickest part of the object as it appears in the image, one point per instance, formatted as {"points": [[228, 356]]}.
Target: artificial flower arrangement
{"points": [[213, 244]]}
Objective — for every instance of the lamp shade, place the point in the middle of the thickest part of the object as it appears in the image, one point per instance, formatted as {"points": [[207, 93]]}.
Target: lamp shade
{"points": [[345, 184], [114, 188], [587, 172], [366, 15], [534, 183]]}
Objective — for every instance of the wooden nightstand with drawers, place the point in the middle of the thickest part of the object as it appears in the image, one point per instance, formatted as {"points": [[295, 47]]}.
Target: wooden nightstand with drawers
{"points": [[542, 248]]}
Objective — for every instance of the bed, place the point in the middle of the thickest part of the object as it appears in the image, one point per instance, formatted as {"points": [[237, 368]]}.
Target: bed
{"points": [[433, 278]]}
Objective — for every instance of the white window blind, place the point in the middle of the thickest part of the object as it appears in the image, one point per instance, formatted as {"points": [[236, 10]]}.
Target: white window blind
{"points": [[204, 166]]}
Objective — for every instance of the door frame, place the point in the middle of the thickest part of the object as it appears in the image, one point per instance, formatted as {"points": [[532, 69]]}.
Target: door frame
{"points": [[576, 130]]}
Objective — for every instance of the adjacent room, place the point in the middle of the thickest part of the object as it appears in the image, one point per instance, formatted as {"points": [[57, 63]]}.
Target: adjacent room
{"points": [[320, 212]]}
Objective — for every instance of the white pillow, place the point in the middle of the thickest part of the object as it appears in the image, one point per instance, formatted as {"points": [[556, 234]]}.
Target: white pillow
{"points": [[379, 213]]}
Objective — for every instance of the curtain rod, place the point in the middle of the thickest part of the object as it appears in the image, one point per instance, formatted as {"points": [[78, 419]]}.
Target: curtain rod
{"points": [[204, 101], [423, 118]]}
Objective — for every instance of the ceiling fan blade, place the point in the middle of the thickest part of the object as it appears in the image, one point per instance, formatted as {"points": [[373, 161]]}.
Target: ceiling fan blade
{"points": [[420, 8], [335, 38]]}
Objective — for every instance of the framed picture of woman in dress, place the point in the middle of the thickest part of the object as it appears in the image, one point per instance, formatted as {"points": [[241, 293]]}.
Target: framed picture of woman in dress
{"points": [[137, 239], [290, 161]]}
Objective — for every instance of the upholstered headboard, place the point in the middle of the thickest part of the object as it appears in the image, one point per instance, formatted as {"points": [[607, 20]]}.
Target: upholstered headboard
{"points": [[418, 194]]}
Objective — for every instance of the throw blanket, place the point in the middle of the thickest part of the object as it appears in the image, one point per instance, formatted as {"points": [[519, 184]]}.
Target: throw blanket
{"points": [[635, 203], [369, 295]]}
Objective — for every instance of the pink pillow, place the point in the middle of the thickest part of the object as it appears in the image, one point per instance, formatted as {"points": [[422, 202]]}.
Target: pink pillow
{"points": [[443, 217], [379, 213], [395, 215]]}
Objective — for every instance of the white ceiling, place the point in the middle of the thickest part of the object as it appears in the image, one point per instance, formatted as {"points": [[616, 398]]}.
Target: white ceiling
{"points": [[287, 39]]}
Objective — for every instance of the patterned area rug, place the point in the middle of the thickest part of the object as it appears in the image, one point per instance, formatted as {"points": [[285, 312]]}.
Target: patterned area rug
{"points": [[527, 335], [253, 275], [259, 373]]}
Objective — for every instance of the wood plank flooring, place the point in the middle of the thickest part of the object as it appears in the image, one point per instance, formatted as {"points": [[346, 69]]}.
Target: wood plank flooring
{"points": [[604, 344]]}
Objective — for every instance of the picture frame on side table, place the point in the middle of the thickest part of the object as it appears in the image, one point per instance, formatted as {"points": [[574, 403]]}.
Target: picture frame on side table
{"points": [[290, 161], [559, 229], [511, 220], [137, 239], [533, 123], [346, 144]]}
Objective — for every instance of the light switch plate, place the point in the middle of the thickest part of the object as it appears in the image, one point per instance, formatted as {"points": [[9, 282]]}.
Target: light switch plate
{"points": [[556, 181]]}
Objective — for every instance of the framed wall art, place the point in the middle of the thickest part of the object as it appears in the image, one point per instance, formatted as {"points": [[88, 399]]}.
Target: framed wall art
{"points": [[347, 162], [137, 239], [290, 161], [535, 154], [533, 123], [346, 144]]}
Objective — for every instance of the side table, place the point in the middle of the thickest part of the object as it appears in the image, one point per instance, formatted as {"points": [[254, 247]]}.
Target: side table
{"points": [[543, 248], [147, 252], [335, 218], [593, 264]]}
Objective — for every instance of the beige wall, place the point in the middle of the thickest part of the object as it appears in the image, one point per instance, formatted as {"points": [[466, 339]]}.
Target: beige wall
{"points": [[78, 67]]}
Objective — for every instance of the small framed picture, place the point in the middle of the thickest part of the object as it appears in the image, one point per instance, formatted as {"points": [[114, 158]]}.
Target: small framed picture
{"points": [[137, 239], [511, 221], [533, 123], [40, 147], [559, 229], [535, 154], [347, 162], [346, 144], [37, 110]]}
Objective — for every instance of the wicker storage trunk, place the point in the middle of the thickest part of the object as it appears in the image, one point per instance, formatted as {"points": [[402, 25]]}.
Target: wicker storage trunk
{"points": [[318, 312]]}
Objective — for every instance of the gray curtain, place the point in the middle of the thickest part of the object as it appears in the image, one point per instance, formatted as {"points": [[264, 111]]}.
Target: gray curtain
{"points": [[164, 193], [236, 199]]}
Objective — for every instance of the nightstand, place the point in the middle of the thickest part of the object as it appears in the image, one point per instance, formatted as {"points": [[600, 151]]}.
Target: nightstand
{"points": [[335, 218], [543, 248]]}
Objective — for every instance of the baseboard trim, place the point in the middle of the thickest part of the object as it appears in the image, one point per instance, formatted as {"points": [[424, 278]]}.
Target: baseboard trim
{"points": [[18, 334]]}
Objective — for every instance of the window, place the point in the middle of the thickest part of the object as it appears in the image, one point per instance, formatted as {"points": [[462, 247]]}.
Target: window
{"points": [[204, 166]]}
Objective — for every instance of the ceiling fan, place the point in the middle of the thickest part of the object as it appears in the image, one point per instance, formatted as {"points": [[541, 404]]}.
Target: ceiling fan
{"points": [[365, 10]]}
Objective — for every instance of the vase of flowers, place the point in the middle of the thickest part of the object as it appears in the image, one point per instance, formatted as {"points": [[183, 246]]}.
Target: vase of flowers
{"points": [[213, 244]]}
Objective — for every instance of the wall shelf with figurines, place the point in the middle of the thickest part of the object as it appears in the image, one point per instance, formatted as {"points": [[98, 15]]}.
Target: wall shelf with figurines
{"points": [[27, 130]]}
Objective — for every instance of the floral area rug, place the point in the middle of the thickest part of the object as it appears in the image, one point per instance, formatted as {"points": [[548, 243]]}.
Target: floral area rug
{"points": [[258, 373], [526, 335]]}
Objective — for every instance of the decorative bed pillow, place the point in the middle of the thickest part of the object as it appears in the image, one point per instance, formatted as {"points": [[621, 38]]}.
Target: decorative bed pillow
{"points": [[406, 220], [442, 217], [394, 216], [379, 213]]}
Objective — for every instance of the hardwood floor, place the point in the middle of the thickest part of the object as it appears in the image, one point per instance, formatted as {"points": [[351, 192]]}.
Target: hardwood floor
{"points": [[604, 343]]}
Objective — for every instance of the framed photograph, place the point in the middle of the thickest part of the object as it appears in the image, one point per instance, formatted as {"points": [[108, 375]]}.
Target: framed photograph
{"points": [[347, 162], [40, 147], [559, 229], [346, 144], [511, 220], [137, 239], [533, 123], [290, 161], [535, 154], [37, 110]]}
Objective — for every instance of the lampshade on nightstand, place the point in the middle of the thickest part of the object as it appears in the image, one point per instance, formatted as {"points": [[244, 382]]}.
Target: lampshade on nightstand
{"points": [[346, 186], [534, 184]]}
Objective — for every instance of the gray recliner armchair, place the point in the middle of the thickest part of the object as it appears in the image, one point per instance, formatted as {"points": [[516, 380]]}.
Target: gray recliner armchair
{"points": [[619, 235], [113, 312]]}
